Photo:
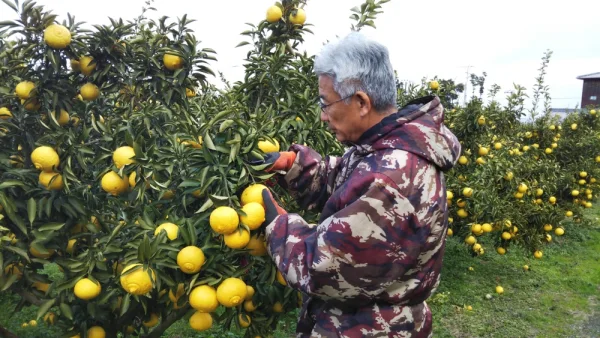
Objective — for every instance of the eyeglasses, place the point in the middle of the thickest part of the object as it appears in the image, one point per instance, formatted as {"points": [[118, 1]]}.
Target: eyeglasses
{"points": [[323, 105]]}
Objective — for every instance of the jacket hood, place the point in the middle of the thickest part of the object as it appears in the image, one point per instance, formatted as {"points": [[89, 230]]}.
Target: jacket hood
{"points": [[418, 128]]}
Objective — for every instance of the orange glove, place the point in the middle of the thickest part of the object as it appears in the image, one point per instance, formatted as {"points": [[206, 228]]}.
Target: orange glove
{"points": [[281, 160]]}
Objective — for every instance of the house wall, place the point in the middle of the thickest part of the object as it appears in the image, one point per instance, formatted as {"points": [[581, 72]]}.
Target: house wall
{"points": [[591, 88]]}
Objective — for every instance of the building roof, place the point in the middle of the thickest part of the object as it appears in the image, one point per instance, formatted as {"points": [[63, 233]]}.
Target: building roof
{"points": [[589, 76]]}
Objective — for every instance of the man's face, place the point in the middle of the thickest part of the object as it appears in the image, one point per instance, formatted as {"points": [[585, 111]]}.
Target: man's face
{"points": [[343, 119]]}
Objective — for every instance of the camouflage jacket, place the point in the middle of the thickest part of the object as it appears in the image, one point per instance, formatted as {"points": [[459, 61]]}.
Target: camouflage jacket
{"points": [[375, 256]]}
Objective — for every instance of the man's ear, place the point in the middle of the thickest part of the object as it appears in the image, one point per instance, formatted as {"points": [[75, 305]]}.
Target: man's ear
{"points": [[364, 103]]}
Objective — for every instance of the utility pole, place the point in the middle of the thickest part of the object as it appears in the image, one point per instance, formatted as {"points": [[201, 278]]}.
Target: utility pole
{"points": [[466, 84]]}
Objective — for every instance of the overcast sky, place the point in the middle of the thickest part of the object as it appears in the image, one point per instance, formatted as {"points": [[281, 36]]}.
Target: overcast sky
{"points": [[506, 38]]}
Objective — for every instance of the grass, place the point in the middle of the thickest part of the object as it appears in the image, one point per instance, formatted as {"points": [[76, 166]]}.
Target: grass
{"points": [[558, 297]]}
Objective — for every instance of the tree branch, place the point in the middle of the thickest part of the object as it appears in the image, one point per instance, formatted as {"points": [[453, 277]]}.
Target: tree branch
{"points": [[29, 297], [165, 324]]}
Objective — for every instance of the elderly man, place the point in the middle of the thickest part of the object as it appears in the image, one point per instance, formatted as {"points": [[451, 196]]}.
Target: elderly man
{"points": [[375, 256]]}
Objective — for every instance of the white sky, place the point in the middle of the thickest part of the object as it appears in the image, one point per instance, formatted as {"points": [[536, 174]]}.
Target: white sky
{"points": [[426, 38]]}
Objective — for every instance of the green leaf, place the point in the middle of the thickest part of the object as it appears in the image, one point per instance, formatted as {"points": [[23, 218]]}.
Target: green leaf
{"points": [[11, 5], [18, 251], [31, 210], [51, 226], [125, 304], [209, 203], [11, 183], [65, 310], [45, 307]]}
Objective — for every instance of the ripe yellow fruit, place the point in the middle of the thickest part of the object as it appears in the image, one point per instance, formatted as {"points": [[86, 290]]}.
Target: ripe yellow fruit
{"points": [[547, 227], [12, 269], [499, 290], [231, 292], [593, 112], [463, 160], [71, 246], [539, 192], [43, 287], [582, 182], [123, 156], [224, 220], [138, 281], [237, 239], [506, 236], [249, 292], [255, 215], [23, 89], [5, 114], [172, 62], [57, 36], [63, 117], [38, 254], [249, 306], [280, 279], [87, 65], [526, 267], [449, 195], [450, 232], [24, 325], [171, 229], [500, 250], [509, 176], [476, 228], [257, 246], [552, 199], [538, 254], [114, 184], [434, 85], [201, 321], [477, 247], [86, 289], [274, 14], [268, 147], [569, 213], [535, 145], [522, 188], [278, 307], [75, 65], [574, 126], [583, 174], [89, 91], [480, 160], [45, 158], [244, 320], [470, 240], [253, 193], [298, 17], [497, 145], [190, 259], [33, 323], [204, 298], [481, 120], [152, 321], [486, 227], [554, 145], [46, 177], [483, 151], [96, 332], [467, 192], [462, 213], [559, 231]]}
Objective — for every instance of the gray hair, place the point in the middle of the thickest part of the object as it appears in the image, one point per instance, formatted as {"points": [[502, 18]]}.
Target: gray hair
{"points": [[356, 63]]}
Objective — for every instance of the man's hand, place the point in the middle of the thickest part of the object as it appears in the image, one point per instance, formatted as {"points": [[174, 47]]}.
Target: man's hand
{"points": [[280, 160], [272, 208]]}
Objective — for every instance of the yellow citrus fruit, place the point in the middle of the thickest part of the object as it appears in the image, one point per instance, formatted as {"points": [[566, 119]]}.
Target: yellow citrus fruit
{"points": [[434, 85], [450, 232], [71, 246], [280, 279], [63, 117], [201, 321], [190, 259], [506, 236], [268, 147], [244, 320], [57, 36], [253, 193], [38, 254], [237, 239], [43, 287], [569, 213], [114, 184], [174, 297], [231, 292], [224, 220], [538, 254], [255, 215], [96, 332], [45, 158], [500, 250], [189, 92], [5, 114], [299, 17], [12, 269], [86, 289], [138, 281], [33, 322], [278, 307], [172, 62], [470, 240], [486, 227], [462, 213], [131, 179], [274, 14], [548, 227], [204, 298], [31, 105], [87, 65], [463, 160], [249, 306], [249, 292], [257, 246], [559, 231], [123, 156], [46, 177], [152, 321], [23, 89], [499, 290], [171, 229], [75, 65], [50, 318], [24, 325], [89, 91]]}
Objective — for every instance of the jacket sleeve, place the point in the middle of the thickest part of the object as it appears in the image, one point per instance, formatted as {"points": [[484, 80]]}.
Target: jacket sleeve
{"points": [[308, 175], [357, 252]]}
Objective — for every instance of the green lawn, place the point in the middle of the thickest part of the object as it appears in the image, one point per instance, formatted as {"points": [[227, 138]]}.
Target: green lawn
{"points": [[557, 297]]}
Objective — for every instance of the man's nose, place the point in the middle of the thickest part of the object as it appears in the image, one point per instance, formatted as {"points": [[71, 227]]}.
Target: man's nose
{"points": [[324, 116]]}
